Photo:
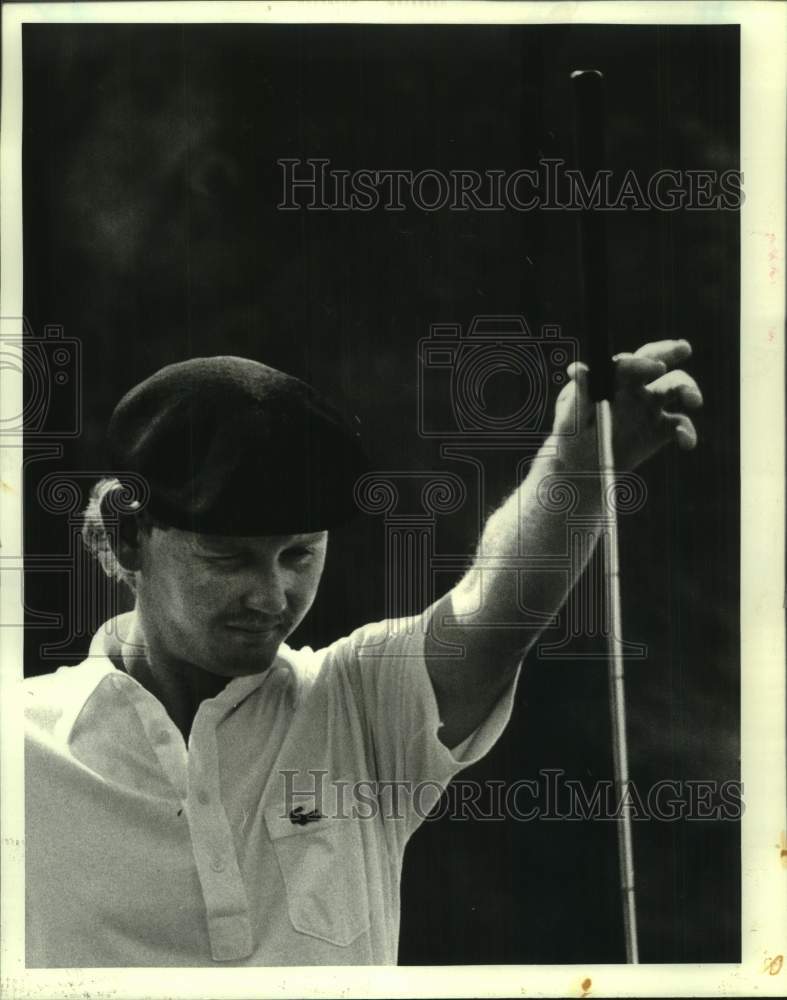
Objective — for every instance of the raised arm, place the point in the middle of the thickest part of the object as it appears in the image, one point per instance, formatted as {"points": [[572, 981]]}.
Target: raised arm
{"points": [[652, 395]]}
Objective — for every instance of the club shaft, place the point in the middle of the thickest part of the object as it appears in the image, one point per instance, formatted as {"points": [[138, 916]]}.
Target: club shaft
{"points": [[617, 697], [590, 154]]}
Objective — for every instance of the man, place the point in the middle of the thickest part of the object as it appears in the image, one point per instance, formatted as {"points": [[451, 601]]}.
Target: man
{"points": [[193, 787]]}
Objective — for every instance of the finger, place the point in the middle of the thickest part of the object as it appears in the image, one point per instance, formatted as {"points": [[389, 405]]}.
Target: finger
{"points": [[578, 373], [671, 352], [679, 428], [676, 389], [633, 371]]}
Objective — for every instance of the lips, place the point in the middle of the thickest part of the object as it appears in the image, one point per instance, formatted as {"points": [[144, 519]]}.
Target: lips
{"points": [[255, 628]]}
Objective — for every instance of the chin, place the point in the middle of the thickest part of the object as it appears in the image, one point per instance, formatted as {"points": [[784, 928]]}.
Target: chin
{"points": [[240, 666]]}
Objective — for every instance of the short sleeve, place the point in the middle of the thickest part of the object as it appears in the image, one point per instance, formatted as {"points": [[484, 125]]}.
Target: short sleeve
{"points": [[385, 667]]}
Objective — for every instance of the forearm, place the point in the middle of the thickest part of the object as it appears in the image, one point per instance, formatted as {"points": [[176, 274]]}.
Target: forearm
{"points": [[519, 578], [533, 548]]}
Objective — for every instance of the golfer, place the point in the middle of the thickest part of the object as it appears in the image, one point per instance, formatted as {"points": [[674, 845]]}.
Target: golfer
{"points": [[193, 787]]}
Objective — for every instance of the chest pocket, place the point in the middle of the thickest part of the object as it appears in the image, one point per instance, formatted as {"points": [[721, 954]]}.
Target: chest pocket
{"points": [[322, 864]]}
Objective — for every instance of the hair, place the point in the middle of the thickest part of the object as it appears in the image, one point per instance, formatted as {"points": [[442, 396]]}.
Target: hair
{"points": [[100, 540]]}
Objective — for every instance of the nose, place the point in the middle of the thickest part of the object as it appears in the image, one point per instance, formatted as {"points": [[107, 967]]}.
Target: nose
{"points": [[267, 592]]}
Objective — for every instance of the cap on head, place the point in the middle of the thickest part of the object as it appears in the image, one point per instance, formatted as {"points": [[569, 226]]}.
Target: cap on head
{"points": [[229, 446]]}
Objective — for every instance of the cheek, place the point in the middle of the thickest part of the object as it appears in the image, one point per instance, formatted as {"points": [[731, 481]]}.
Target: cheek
{"points": [[185, 592], [207, 595], [306, 590]]}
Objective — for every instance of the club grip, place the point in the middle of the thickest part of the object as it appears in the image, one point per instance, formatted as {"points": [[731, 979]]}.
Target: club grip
{"points": [[590, 156]]}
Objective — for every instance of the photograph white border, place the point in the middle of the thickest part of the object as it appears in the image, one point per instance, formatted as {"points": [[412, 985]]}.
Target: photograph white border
{"points": [[762, 360]]}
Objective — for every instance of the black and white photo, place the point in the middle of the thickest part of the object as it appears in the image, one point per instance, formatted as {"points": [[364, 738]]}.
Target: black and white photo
{"points": [[386, 392]]}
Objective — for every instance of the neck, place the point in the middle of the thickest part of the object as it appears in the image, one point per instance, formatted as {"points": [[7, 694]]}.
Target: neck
{"points": [[180, 686]]}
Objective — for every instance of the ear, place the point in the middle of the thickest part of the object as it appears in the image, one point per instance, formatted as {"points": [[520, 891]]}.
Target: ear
{"points": [[126, 543], [129, 552]]}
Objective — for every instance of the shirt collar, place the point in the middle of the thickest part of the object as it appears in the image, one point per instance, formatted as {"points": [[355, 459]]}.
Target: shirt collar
{"points": [[122, 636]]}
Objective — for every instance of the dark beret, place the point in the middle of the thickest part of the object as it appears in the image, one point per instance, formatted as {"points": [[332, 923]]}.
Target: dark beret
{"points": [[230, 446]]}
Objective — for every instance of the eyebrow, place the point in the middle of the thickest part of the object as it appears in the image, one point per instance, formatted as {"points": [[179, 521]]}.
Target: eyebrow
{"points": [[216, 542], [242, 542]]}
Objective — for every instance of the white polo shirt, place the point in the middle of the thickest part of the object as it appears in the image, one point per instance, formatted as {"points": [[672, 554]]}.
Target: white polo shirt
{"points": [[276, 837]]}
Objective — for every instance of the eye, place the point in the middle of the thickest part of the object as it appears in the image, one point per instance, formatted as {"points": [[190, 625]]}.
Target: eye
{"points": [[221, 558], [298, 554]]}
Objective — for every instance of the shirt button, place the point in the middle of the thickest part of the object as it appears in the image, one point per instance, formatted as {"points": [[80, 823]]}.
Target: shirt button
{"points": [[162, 738], [217, 864], [202, 797]]}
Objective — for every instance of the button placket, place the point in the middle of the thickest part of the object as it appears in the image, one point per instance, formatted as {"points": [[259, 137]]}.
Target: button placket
{"points": [[226, 903]]}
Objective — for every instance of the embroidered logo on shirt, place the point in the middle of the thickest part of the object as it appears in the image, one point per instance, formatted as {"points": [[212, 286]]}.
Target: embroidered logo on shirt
{"points": [[301, 818]]}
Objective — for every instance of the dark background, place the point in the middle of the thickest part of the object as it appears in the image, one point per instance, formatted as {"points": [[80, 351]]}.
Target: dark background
{"points": [[152, 234]]}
